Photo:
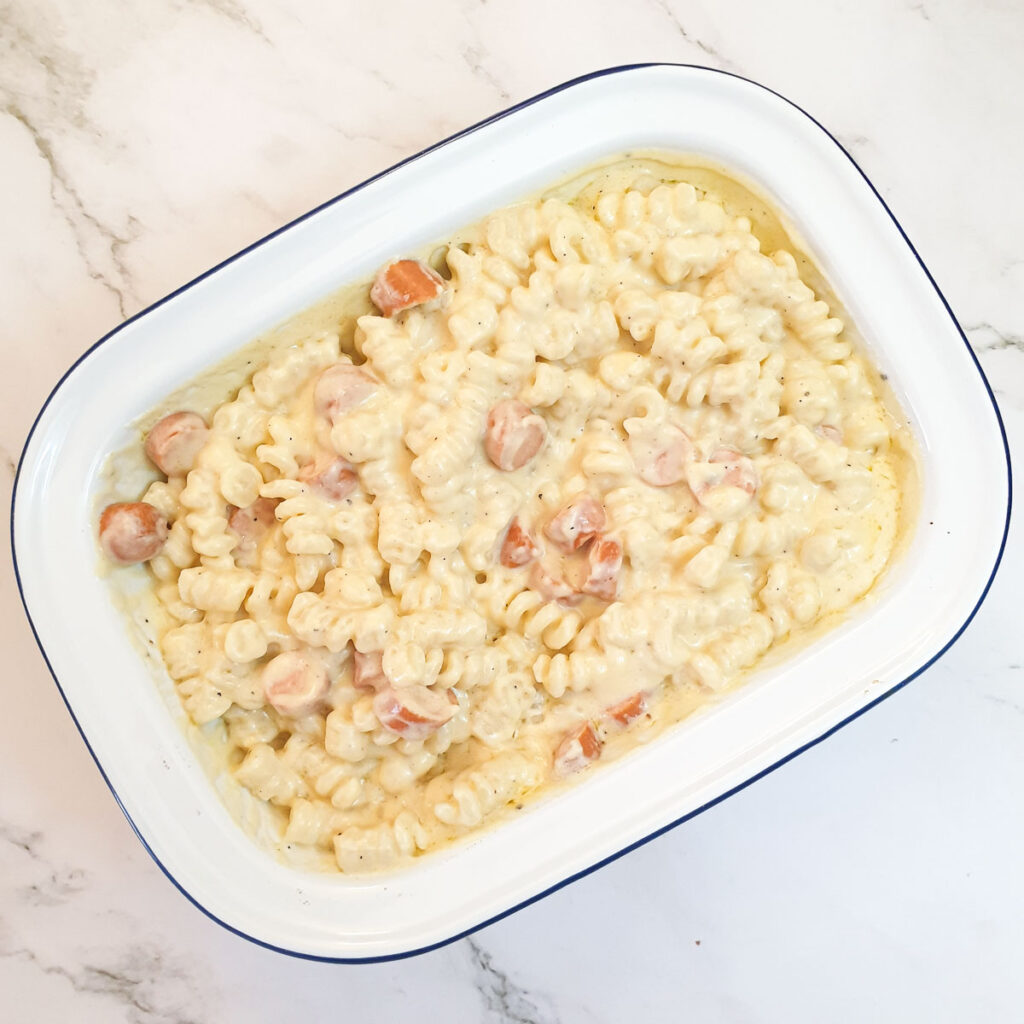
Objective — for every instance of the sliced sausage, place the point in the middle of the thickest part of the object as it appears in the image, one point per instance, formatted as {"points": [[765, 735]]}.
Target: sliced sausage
{"points": [[739, 470], [368, 671], [661, 455], [404, 284], [132, 532], [340, 388], [518, 547], [628, 710], [251, 522], [576, 524], [412, 712], [173, 444], [579, 747], [294, 683], [335, 479], [514, 434], [724, 484], [250, 525], [552, 587], [605, 559]]}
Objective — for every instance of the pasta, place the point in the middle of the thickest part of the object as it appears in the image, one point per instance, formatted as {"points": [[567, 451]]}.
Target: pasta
{"points": [[612, 453]]}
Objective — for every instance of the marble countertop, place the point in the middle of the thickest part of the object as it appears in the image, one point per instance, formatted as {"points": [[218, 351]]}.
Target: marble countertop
{"points": [[876, 877]]}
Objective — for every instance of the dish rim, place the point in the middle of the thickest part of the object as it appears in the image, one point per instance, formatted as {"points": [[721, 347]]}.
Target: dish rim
{"points": [[523, 104]]}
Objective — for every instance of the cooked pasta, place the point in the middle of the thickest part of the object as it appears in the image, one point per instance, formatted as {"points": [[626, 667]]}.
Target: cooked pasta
{"points": [[611, 453]]}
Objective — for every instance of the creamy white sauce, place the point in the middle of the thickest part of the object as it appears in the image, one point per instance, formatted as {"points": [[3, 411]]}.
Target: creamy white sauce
{"points": [[619, 306]]}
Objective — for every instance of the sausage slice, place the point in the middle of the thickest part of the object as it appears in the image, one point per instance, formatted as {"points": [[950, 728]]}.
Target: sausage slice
{"points": [[340, 388], [514, 434], [403, 284], [605, 559], [576, 524], [174, 442], [579, 747], [518, 547], [294, 683], [412, 712], [132, 532]]}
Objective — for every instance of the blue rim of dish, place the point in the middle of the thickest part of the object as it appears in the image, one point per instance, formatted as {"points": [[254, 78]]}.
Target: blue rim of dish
{"points": [[678, 821]]}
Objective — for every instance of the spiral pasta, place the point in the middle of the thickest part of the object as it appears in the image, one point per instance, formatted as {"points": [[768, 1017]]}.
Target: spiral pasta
{"points": [[614, 452]]}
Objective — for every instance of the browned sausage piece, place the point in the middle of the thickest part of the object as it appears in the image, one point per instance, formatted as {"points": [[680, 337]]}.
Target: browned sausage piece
{"points": [[661, 456], [580, 521], [335, 480], [514, 434], [412, 712], [132, 532], [739, 470], [579, 747], [628, 710], [605, 558], [404, 284], [518, 547], [341, 388], [294, 683], [251, 522], [173, 444], [368, 671]]}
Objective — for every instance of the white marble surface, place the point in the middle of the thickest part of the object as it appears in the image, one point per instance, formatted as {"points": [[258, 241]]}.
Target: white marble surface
{"points": [[877, 877]]}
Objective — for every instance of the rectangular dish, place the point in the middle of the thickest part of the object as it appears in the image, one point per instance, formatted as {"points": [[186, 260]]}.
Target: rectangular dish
{"points": [[909, 332]]}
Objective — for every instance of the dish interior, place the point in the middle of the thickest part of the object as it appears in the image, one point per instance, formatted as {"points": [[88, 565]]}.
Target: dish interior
{"points": [[580, 487]]}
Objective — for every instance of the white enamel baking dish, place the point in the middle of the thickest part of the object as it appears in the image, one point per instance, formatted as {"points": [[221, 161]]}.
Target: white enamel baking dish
{"points": [[923, 607]]}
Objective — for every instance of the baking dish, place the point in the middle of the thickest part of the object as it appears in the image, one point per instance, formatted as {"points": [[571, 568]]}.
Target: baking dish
{"points": [[921, 608]]}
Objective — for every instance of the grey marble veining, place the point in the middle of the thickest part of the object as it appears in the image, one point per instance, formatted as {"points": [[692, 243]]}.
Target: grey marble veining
{"points": [[875, 877]]}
